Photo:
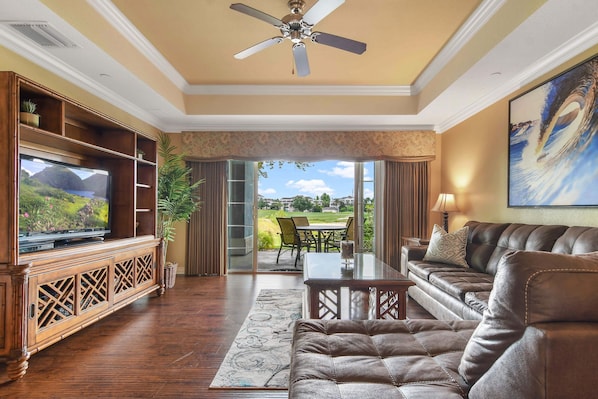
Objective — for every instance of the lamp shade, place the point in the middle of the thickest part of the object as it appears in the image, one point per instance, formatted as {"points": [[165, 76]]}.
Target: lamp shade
{"points": [[445, 203]]}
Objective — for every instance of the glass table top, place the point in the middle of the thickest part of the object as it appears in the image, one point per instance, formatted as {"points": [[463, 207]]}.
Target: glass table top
{"points": [[328, 267]]}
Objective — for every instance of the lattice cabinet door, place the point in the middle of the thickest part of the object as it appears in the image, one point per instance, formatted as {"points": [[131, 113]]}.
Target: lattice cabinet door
{"points": [[58, 300], [145, 268], [134, 271]]}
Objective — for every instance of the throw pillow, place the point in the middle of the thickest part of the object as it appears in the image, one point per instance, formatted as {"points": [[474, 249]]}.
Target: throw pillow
{"points": [[447, 247]]}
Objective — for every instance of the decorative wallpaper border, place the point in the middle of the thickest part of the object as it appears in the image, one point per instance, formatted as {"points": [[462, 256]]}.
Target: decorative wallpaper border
{"points": [[355, 146]]}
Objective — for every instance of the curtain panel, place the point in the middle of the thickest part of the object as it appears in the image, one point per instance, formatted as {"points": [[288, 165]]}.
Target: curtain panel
{"points": [[206, 249], [406, 194]]}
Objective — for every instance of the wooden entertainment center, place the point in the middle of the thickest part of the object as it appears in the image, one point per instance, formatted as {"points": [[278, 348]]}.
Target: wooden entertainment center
{"points": [[47, 295]]}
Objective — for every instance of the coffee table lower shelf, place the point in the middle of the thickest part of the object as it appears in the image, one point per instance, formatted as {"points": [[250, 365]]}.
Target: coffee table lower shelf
{"points": [[355, 304]]}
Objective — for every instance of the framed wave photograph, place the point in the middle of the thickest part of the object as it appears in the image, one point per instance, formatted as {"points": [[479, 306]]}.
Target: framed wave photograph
{"points": [[553, 141]]}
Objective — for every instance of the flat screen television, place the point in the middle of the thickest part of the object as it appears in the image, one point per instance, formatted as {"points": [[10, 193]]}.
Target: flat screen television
{"points": [[61, 204]]}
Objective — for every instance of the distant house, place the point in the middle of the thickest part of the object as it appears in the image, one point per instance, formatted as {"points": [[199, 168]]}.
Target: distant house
{"points": [[287, 203], [348, 200]]}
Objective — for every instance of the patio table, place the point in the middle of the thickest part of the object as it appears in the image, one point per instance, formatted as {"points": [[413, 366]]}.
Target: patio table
{"points": [[321, 230]]}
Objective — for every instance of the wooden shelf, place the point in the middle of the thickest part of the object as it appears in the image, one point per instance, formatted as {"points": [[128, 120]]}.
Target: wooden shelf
{"points": [[37, 138]]}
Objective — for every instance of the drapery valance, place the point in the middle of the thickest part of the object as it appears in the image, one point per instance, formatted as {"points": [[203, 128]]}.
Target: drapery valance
{"points": [[309, 146]]}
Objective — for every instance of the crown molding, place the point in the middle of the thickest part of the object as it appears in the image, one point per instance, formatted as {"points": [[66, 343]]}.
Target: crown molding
{"points": [[292, 90], [571, 48], [33, 53], [293, 123], [468, 30], [117, 19]]}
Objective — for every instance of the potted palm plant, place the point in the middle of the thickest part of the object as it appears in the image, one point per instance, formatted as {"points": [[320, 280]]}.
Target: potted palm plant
{"points": [[177, 198]]}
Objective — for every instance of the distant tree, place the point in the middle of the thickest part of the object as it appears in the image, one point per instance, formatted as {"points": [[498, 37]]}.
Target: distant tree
{"points": [[368, 227], [276, 205], [302, 203], [262, 204], [316, 208], [325, 200], [263, 165]]}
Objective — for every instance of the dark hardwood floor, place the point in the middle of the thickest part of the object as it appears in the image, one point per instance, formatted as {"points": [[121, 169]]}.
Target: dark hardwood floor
{"points": [[159, 347]]}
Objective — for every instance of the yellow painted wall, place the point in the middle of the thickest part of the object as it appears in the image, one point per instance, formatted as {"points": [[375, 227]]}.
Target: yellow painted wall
{"points": [[474, 167]]}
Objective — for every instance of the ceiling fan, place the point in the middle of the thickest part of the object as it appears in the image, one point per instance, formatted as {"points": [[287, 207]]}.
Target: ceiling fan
{"points": [[297, 27]]}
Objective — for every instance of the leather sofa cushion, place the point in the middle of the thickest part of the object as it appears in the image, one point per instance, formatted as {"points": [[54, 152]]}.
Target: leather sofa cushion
{"points": [[525, 237], [378, 359], [551, 360], [458, 283], [477, 300], [577, 240], [481, 242], [425, 269], [523, 294]]}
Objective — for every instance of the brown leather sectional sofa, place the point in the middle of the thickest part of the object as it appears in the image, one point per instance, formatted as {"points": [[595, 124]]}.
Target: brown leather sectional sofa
{"points": [[452, 292], [538, 337]]}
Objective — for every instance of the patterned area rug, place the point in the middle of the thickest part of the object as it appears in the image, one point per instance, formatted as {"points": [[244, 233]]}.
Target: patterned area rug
{"points": [[260, 356]]}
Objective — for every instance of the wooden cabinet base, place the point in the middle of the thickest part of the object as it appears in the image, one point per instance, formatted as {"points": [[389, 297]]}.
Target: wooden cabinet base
{"points": [[57, 293]]}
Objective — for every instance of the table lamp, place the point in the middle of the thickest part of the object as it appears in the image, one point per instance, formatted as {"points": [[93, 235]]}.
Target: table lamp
{"points": [[445, 204]]}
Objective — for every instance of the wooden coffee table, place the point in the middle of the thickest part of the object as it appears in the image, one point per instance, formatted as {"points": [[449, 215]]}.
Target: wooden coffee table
{"points": [[376, 290]]}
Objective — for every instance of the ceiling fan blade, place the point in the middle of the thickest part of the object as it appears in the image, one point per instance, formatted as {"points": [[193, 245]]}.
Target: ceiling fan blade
{"points": [[258, 47], [339, 42], [320, 10], [301, 62], [252, 12]]}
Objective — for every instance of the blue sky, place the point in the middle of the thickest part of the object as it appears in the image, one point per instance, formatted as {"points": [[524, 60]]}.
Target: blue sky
{"points": [[334, 178], [36, 165]]}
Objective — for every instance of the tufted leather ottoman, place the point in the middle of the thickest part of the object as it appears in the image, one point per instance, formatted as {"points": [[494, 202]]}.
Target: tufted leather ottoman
{"points": [[404, 359]]}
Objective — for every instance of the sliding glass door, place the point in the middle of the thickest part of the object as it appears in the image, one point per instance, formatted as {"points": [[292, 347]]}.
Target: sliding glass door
{"points": [[346, 189]]}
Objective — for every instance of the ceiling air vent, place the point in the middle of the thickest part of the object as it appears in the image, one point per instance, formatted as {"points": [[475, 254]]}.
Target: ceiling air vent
{"points": [[43, 34]]}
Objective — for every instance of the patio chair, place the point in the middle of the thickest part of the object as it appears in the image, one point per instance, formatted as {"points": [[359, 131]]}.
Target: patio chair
{"points": [[334, 240], [288, 235], [305, 236]]}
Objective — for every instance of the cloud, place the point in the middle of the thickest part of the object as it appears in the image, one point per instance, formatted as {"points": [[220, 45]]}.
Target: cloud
{"points": [[266, 191], [342, 169], [367, 193], [311, 187]]}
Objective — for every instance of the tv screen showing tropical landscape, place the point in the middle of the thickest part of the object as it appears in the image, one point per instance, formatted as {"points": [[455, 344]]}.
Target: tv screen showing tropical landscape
{"points": [[60, 198]]}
